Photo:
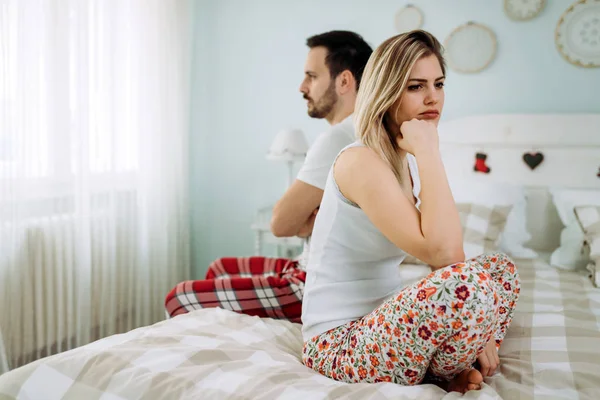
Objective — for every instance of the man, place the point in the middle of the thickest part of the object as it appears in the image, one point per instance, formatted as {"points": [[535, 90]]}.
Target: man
{"points": [[270, 287]]}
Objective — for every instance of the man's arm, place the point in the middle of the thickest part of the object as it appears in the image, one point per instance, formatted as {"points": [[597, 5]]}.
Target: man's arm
{"points": [[294, 209], [292, 213]]}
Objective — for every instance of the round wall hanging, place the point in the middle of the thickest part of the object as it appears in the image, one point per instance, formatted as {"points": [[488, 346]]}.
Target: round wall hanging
{"points": [[577, 34], [408, 18], [470, 48], [523, 10]]}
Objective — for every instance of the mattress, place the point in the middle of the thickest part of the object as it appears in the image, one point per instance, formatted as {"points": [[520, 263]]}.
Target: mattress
{"points": [[552, 351]]}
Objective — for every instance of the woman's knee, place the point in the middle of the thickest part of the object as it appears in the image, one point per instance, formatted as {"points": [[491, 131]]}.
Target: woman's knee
{"points": [[469, 283], [496, 263], [501, 258], [502, 269], [507, 266]]}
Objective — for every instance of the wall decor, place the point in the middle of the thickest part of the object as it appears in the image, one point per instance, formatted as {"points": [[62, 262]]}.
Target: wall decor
{"points": [[408, 18], [577, 34], [470, 48], [480, 165], [533, 160], [523, 10]]}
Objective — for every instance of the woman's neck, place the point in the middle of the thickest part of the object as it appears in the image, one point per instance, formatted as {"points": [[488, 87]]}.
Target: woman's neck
{"points": [[402, 154]]}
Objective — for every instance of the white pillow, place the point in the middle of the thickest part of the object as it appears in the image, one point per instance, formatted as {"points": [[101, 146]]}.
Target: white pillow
{"points": [[571, 253], [480, 190], [515, 232]]}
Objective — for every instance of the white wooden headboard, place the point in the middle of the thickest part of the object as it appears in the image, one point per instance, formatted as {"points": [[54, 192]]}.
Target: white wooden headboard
{"points": [[570, 144]]}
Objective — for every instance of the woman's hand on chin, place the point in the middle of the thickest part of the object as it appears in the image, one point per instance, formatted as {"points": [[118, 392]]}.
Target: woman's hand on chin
{"points": [[418, 135]]}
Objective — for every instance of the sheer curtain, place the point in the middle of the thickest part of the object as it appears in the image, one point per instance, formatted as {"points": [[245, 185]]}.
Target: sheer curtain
{"points": [[94, 112]]}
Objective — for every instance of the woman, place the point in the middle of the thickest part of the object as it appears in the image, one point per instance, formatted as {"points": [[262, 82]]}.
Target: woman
{"points": [[360, 323]]}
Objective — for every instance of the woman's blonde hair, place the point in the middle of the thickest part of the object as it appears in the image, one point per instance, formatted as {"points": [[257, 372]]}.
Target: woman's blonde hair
{"points": [[384, 80]]}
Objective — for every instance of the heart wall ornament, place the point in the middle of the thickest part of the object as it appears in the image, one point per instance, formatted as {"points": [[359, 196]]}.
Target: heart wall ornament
{"points": [[533, 160]]}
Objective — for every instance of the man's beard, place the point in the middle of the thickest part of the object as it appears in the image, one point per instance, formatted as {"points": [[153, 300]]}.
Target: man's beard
{"points": [[324, 106]]}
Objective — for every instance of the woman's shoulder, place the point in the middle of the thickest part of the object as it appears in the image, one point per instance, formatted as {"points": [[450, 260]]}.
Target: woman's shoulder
{"points": [[359, 166], [357, 157]]}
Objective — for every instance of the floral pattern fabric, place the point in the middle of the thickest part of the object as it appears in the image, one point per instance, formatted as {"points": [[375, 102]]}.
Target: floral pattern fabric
{"points": [[437, 326]]}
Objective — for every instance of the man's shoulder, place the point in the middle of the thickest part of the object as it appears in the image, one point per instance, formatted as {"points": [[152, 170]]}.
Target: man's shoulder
{"points": [[323, 152], [344, 128], [331, 142], [342, 133]]}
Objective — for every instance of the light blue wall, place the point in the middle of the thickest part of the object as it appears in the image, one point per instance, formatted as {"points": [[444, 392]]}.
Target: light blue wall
{"points": [[249, 60]]}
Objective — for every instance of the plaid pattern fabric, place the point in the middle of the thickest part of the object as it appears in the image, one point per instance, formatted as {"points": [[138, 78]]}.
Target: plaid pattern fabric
{"points": [[589, 219], [551, 351], [482, 226], [259, 286]]}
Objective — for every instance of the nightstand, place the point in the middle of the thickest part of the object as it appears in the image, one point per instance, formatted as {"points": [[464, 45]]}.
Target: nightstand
{"points": [[288, 247]]}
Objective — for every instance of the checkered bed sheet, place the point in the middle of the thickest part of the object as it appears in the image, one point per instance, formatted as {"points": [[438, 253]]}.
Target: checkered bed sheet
{"points": [[552, 351]]}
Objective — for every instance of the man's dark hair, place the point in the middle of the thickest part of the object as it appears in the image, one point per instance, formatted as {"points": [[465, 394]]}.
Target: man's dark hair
{"points": [[345, 51]]}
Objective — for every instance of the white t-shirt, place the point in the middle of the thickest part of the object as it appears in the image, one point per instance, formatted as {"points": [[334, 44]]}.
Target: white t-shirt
{"points": [[319, 160]]}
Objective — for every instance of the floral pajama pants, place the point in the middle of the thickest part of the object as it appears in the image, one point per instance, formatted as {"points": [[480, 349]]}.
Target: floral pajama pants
{"points": [[437, 326]]}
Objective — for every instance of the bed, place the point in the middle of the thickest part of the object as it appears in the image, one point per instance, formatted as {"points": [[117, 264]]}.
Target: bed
{"points": [[552, 350]]}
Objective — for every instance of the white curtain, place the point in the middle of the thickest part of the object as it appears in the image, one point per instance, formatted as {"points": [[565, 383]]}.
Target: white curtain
{"points": [[94, 116]]}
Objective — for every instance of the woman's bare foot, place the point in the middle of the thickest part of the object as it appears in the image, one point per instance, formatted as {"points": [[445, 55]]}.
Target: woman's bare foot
{"points": [[469, 379]]}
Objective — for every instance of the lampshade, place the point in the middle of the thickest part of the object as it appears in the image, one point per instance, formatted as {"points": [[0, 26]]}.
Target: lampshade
{"points": [[288, 145]]}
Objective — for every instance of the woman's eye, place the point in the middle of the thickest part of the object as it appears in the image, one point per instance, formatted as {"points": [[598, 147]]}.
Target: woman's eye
{"points": [[414, 87], [439, 85]]}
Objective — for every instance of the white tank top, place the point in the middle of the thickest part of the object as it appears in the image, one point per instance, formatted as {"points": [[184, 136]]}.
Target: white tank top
{"points": [[352, 267]]}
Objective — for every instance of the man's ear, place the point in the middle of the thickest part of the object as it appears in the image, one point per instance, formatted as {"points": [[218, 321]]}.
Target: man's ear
{"points": [[345, 82]]}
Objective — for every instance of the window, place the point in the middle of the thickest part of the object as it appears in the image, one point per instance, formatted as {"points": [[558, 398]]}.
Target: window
{"points": [[66, 103]]}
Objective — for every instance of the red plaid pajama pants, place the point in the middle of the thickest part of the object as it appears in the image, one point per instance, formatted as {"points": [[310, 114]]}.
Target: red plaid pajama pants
{"points": [[261, 286]]}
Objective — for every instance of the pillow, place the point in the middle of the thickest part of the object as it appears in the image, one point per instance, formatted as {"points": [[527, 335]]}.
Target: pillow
{"points": [[482, 226], [481, 190], [571, 254], [512, 241], [566, 200]]}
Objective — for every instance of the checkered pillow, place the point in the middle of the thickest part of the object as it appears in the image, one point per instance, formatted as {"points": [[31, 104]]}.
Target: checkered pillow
{"points": [[482, 227], [589, 220]]}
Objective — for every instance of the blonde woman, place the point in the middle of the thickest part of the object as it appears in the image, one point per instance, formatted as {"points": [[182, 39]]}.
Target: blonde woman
{"points": [[387, 195]]}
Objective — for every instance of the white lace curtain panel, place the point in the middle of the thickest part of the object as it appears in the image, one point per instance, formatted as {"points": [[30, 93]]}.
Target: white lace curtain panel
{"points": [[94, 115]]}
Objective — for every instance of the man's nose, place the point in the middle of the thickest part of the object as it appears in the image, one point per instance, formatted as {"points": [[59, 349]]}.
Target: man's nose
{"points": [[303, 89]]}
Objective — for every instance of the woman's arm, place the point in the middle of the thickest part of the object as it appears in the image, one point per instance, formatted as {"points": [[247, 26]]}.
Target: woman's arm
{"points": [[434, 236], [440, 221]]}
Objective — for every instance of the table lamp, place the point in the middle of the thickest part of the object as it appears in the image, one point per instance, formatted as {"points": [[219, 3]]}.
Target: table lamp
{"points": [[290, 146]]}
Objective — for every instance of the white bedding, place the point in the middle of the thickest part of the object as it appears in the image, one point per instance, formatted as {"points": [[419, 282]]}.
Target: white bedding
{"points": [[551, 351]]}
